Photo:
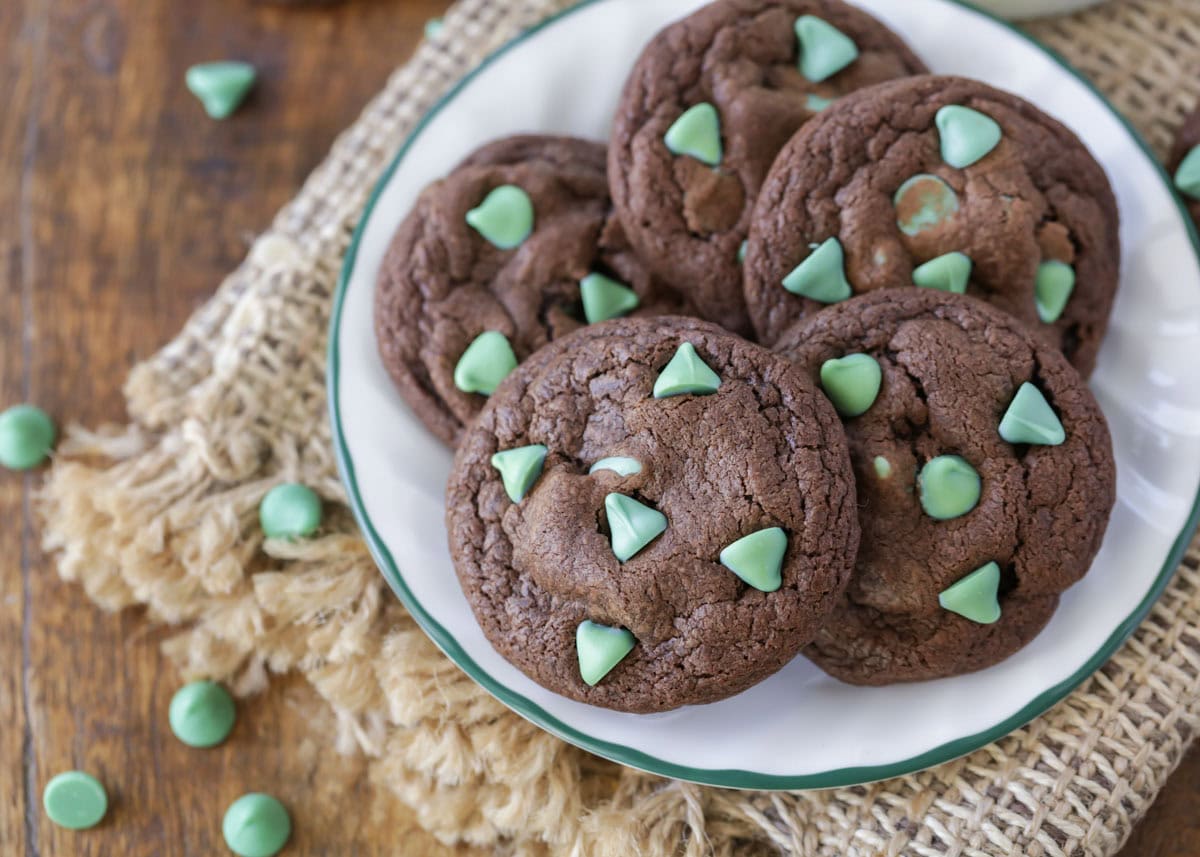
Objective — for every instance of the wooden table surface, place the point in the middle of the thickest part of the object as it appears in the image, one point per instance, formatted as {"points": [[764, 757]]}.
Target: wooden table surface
{"points": [[121, 208]]}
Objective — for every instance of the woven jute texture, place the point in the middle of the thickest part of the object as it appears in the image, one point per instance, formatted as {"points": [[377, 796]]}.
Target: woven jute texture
{"points": [[162, 513]]}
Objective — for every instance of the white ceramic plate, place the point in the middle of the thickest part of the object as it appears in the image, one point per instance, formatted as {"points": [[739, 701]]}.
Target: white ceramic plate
{"points": [[798, 729]]}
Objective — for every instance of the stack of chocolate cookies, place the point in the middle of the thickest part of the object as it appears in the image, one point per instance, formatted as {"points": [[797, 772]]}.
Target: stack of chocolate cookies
{"points": [[796, 366]]}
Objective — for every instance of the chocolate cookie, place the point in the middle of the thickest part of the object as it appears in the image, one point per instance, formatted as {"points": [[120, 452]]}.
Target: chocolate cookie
{"points": [[944, 183], [517, 246], [985, 481], [652, 513], [709, 104], [1184, 163]]}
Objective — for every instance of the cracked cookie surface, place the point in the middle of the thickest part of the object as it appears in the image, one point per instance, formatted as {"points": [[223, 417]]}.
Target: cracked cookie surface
{"points": [[688, 218], [951, 365], [1037, 197], [765, 450], [443, 283]]}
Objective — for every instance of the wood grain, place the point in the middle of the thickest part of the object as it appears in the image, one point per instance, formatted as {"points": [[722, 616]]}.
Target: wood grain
{"points": [[121, 208]]}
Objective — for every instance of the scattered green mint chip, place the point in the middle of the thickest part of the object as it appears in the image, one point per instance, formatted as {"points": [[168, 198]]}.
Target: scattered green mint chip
{"points": [[949, 273], [221, 86], [976, 596], [256, 825], [1187, 177], [816, 103], [883, 467], [741, 254], [290, 511], [686, 374], [434, 27], [824, 49], [618, 464], [632, 524], [605, 298], [26, 437], [924, 202], [202, 714], [519, 469], [966, 135], [758, 558], [1030, 419], [600, 648], [852, 383], [822, 276], [487, 361], [949, 487], [697, 133], [1052, 289], [75, 800], [504, 218]]}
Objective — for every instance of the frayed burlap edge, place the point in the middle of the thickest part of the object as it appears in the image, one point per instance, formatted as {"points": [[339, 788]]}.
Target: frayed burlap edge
{"points": [[162, 513]]}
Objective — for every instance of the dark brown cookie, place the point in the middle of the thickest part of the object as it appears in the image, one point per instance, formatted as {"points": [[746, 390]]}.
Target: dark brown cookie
{"points": [[443, 283], [687, 217], [952, 367], [1033, 213], [1187, 142], [535, 551]]}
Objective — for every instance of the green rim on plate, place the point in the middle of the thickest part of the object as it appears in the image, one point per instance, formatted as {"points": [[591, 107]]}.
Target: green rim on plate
{"points": [[635, 758]]}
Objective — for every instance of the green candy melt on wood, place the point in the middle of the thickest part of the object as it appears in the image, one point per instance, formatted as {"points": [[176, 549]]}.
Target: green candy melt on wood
{"points": [[967, 135], [202, 714], [290, 511], [605, 298], [976, 596], [686, 374], [519, 469], [75, 800], [600, 648], [1187, 177], [26, 437], [221, 86], [697, 134], [852, 383], [618, 464], [487, 361], [824, 49], [822, 276], [632, 524], [1052, 289], [948, 273], [504, 218], [758, 558], [949, 487], [1030, 419], [256, 825]]}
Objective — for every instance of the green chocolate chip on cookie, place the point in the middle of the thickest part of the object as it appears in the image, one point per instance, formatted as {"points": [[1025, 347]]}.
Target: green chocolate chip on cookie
{"points": [[600, 648], [924, 202], [976, 596], [290, 511], [202, 714], [26, 437], [967, 135], [816, 103], [632, 524], [741, 254], [1187, 177], [949, 273], [824, 49], [697, 133], [504, 218], [822, 276], [949, 487], [75, 800], [1052, 289], [221, 86], [519, 469], [618, 464], [883, 467], [256, 825], [686, 374], [758, 558], [852, 383], [605, 298], [1030, 419], [486, 362]]}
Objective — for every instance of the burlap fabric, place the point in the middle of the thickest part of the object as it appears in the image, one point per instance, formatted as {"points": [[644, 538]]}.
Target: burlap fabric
{"points": [[162, 513]]}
